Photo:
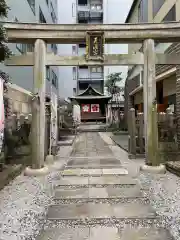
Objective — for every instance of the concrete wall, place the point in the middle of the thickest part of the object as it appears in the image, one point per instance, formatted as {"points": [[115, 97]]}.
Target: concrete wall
{"points": [[23, 76], [169, 86], [19, 100], [138, 97], [163, 11]]}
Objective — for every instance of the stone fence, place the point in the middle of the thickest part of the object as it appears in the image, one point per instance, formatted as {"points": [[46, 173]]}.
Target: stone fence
{"points": [[17, 137], [167, 137]]}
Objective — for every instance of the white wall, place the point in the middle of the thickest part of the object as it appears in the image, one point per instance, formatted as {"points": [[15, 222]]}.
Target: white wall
{"points": [[23, 76], [67, 15]]}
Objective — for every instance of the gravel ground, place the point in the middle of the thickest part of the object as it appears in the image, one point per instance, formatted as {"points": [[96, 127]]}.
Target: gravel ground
{"points": [[164, 195], [162, 190], [24, 203]]}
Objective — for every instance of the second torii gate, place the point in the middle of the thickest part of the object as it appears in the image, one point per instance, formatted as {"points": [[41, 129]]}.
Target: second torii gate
{"points": [[95, 36]]}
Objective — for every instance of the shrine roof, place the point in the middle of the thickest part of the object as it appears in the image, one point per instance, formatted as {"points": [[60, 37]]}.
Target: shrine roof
{"points": [[91, 97], [91, 93]]}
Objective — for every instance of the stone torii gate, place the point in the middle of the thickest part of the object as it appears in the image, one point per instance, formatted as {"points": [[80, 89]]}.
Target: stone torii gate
{"points": [[42, 34]]}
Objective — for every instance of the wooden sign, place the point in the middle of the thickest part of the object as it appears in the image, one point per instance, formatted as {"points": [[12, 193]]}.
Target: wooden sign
{"points": [[95, 46]]}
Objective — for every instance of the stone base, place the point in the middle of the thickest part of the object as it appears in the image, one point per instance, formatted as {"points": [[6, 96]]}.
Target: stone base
{"points": [[49, 159], [36, 172], [161, 169]]}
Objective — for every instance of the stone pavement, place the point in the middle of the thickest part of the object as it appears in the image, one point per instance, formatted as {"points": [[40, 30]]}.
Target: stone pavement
{"points": [[96, 198]]}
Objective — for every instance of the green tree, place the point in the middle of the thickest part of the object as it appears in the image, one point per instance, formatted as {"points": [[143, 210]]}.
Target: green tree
{"points": [[112, 87], [4, 50], [111, 83], [4, 53]]}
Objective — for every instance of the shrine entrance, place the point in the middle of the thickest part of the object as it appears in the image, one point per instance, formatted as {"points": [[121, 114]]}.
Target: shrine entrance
{"points": [[95, 37], [93, 105]]}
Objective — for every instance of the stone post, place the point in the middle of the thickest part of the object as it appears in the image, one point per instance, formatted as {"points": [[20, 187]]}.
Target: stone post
{"points": [[150, 113], [132, 132], [130, 105], [141, 132], [178, 104], [38, 105]]}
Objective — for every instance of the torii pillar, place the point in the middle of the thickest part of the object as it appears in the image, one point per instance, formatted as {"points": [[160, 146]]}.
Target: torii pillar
{"points": [[38, 111], [150, 110]]}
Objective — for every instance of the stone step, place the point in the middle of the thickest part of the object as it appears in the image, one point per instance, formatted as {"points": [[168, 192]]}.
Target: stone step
{"points": [[140, 200], [93, 211], [93, 172], [93, 161], [77, 181], [105, 233], [93, 166], [95, 193]]}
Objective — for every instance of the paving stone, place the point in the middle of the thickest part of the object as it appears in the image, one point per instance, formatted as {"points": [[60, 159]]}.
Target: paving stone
{"points": [[105, 233], [80, 211], [73, 180], [133, 210], [79, 172], [90, 166], [65, 234], [110, 161], [112, 180], [98, 193], [117, 171], [75, 211], [144, 234], [123, 192], [71, 193], [97, 210]]}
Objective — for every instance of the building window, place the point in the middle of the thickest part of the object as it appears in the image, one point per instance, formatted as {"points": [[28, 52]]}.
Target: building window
{"points": [[53, 15], [74, 50], [54, 48], [96, 69], [74, 73], [83, 67], [48, 73], [32, 5], [82, 2], [171, 16], [74, 90], [54, 79], [82, 45], [143, 11], [41, 16], [157, 5]]}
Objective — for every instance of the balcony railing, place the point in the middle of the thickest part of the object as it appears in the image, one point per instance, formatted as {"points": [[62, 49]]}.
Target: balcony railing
{"points": [[89, 79], [91, 11]]}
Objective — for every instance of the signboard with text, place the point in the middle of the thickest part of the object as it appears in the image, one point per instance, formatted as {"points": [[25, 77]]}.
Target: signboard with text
{"points": [[95, 46]]}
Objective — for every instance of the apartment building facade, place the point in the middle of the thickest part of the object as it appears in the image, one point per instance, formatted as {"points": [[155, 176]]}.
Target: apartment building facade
{"points": [[166, 76], [75, 80], [42, 11]]}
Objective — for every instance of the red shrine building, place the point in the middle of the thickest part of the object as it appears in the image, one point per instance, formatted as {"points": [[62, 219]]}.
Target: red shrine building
{"points": [[93, 105]]}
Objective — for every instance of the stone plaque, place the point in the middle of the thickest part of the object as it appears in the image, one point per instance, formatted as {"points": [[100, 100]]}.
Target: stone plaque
{"points": [[95, 46]]}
